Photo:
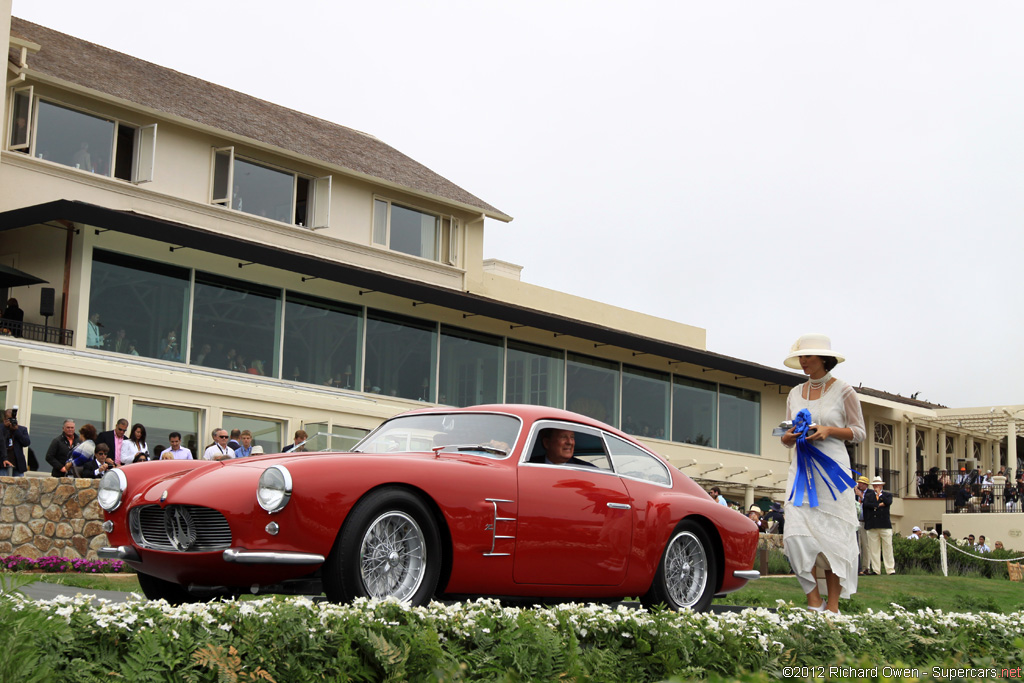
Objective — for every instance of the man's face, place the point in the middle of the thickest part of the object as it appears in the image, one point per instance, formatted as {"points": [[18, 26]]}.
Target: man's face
{"points": [[246, 440], [861, 486], [981, 539], [121, 428], [560, 444], [222, 438], [175, 442], [69, 429], [970, 538], [877, 488]]}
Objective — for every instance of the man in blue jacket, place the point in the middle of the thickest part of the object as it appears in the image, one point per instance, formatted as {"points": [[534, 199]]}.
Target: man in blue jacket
{"points": [[879, 527]]}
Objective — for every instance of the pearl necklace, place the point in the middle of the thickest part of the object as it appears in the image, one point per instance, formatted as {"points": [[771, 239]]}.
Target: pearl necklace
{"points": [[820, 383]]}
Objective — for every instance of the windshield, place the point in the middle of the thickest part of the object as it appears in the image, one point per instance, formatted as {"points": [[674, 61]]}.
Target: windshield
{"points": [[480, 433]]}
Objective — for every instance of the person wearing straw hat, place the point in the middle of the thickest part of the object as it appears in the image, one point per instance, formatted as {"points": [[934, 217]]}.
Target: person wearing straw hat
{"points": [[822, 530], [877, 521]]}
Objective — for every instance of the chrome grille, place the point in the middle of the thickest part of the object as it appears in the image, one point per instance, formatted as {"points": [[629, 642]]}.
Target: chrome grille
{"points": [[185, 528]]}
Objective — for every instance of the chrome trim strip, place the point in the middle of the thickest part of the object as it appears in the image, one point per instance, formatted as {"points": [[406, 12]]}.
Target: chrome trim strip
{"points": [[243, 556], [748, 574], [620, 506], [121, 552], [493, 527]]}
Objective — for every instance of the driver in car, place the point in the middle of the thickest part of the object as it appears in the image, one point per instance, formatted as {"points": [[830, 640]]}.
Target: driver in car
{"points": [[560, 447]]}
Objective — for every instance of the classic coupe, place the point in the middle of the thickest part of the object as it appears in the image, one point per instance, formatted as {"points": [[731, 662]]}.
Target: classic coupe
{"points": [[513, 501]]}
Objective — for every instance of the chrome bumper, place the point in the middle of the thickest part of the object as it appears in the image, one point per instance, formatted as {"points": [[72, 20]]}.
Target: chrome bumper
{"points": [[121, 552], [748, 574], [242, 556]]}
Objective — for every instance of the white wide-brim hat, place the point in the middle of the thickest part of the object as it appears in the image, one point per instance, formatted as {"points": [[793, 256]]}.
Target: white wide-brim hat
{"points": [[811, 345], [877, 480]]}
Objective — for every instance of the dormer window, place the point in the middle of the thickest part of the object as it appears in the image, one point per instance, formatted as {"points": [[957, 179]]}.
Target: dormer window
{"points": [[87, 142], [263, 190], [415, 232]]}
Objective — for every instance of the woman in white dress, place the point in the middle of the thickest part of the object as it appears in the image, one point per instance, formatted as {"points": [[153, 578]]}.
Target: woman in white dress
{"points": [[134, 446], [824, 535]]}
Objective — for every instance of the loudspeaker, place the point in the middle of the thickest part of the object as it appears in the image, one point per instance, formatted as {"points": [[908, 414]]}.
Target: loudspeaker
{"points": [[46, 302]]}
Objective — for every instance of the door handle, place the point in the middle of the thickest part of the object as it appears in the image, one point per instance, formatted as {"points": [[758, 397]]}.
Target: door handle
{"points": [[619, 506]]}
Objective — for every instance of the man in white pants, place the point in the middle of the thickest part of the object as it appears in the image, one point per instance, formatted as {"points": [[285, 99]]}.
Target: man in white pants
{"points": [[879, 527]]}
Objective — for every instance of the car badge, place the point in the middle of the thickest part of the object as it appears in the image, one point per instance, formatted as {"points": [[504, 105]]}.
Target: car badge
{"points": [[163, 496], [179, 527]]}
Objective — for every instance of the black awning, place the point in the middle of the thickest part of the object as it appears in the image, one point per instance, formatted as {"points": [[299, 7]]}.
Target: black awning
{"points": [[12, 277], [201, 239]]}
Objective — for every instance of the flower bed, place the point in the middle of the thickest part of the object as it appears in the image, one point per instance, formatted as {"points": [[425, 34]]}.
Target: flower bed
{"points": [[17, 563], [296, 639]]}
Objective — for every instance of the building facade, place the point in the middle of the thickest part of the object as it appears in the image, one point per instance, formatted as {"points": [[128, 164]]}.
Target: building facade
{"points": [[210, 259]]}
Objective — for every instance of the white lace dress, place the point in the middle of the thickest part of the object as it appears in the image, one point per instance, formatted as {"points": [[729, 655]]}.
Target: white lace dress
{"points": [[827, 534]]}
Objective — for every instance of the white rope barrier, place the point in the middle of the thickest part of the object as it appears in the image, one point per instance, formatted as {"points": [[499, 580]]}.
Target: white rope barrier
{"points": [[942, 553]]}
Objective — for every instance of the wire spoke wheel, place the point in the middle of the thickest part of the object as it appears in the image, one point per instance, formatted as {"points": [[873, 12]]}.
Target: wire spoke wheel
{"points": [[686, 569], [392, 556], [687, 575]]}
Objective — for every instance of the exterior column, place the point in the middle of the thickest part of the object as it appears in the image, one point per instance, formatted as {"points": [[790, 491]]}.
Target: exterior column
{"points": [[969, 448], [940, 448], [912, 460], [748, 497], [1011, 442]]}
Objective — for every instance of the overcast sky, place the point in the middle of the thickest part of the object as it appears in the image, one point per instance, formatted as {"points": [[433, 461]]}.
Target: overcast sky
{"points": [[758, 169]]}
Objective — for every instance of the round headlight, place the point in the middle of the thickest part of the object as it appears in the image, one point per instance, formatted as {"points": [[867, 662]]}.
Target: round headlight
{"points": [[275, 488], [112, 486]]}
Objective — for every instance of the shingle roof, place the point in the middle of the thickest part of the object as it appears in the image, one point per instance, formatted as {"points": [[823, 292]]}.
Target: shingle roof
{"points": [[878, 393], [101, 69]]}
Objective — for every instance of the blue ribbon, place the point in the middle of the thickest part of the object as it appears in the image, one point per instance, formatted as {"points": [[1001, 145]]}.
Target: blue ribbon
{"points": [[809, 459]]}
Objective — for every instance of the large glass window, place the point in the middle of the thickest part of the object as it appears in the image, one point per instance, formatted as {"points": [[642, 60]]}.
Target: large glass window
{"points": [[322, 341], [535, 375], [142, 306], [739, 420], [694, 411], [74, 138], [265, 433], [645, 399], [51, 408], [160, 421], [401, 356], [592, 388], [235, 325], [471, 368], [262, 191]]}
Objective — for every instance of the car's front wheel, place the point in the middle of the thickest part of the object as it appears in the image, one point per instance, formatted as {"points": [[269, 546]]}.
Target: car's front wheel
{"points": [[686, 574], [158, 589], [389, 547]]}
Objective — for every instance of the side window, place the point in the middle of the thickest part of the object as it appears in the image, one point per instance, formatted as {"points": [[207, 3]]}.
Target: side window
{"points": [[555, 441], [634, 462]]}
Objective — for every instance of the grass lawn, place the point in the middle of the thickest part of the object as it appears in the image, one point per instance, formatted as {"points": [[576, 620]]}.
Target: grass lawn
{"points": [[913, 591]]}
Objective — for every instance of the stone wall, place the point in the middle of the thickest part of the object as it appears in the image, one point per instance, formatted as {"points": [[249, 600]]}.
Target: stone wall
{"points": [[50, 516]]}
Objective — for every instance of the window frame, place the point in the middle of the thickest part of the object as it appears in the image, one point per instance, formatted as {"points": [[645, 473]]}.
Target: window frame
{"points": [[446, 237], [318, 211], [26, 146]]}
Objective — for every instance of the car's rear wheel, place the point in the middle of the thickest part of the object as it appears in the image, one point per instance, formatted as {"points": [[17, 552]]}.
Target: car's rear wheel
{"points": [[686, 574], [158, 589], [389, 547]]}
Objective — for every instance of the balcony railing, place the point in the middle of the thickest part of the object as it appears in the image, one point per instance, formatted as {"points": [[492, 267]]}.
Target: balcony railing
{"points": [[36, 332]]}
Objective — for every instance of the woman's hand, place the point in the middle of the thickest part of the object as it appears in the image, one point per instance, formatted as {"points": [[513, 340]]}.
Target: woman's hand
{"points": [[789, 438], [819, 433]]}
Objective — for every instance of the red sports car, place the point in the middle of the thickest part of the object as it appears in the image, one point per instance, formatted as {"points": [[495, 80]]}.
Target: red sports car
{"points": [[501, 500]]}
